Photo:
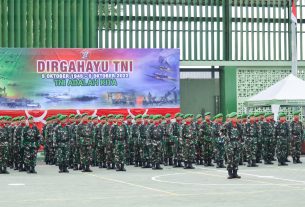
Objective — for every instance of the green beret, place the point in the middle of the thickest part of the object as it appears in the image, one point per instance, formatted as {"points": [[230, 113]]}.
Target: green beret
{"points": [[1, 117], [102, 117], [71, 116], [128, 117], [228, 115], [233, 114], [257, 114], [251, 115], [77, 116], [139, 116], [219, 116], [296, 113], [282, 114], [63, 117], [22, 118], [58, 115], [30, 118], [177, 115], [213, 119], [187, 116], [94, 117], [145, 116], [244, 116], [167, 116], [89, 117], [119, 116], [48, 119], [84, 114], [110, 116], [198, 116], [239, 116], [207, 113], [268, 114], [151, 116], [8, 118]]}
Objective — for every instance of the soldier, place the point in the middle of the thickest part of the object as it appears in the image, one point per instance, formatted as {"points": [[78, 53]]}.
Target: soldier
{"points": [[130, 142], [259, 152], [218, 134], [85, 133], [175, 131], [62, 143], [108, 142], [297, 132], [206, 131], [145, 142], [119, 136], [168, 143], [72, 141], [268, 130], [155, 133], [4, 146], [135, 135], [151, 119], [282, 134], [76, 156], [101, 156], [10, 127], [232, 146], [243, 154], [18, 134], [30, 140], [14, 144], [199, 140], [251, 136], [188, 135], [94, 120]]}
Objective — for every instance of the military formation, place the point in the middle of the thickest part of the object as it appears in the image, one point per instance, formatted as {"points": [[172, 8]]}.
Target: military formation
{"points": [[79, 142]]}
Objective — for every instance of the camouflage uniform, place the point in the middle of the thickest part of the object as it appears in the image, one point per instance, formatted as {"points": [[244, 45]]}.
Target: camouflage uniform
{"points": [[109, 146], [4, 148], [168, 144], [188, 136], [251, 137], [232, 147], [30, 141], [218, 134], [130, 155], [135, 135], [199, 140], [145, 145], [282, 134], [62, 142], [49, 148], [11, 129], [101, 156], [297, 132], [119, 136], [206, 133], [155, 135], [175, 131], [85, 133], [268, 131], [259, 151]]}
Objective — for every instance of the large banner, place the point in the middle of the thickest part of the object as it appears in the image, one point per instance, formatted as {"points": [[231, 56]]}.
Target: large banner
{"points": [[65, 79]]}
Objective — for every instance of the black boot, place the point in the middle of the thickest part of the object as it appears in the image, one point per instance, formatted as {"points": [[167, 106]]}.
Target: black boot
{"points": [[235, 174], [249, 163], [75, 167], [65, 169], [299, 161], [268, 162], [32, 170], [190, 166], [140, 164], [158, 167], [22, 168], [294, 160], [186, 165], [170, 161], [122, 167], [81, 167], [16, 166], [210, 163], [200, 162], [175, 163], [282, 164], [254, 163], [287, 160], [166, 162], [108, 166], [220, 164], [136, 164], [230, 173], [180, 163], [88, 169], [4, 171], [60, 168], [104, 165], [113, 166]]}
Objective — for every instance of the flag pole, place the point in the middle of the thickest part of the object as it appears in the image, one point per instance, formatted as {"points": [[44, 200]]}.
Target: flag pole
{"points": [[294, 55]]}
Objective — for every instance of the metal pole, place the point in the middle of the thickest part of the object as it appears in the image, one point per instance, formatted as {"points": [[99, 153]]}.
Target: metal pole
{"points": [[294, 56]]}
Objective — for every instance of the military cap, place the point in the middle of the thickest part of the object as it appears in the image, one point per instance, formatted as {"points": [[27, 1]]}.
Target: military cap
{"points": [[139, 116], [89, 117], [207, 113], [218, 116], [30, 118], [144, 116], [198, 116], [213, 119], [177, 115], [187, 116], [296, 113], [22, 118], [167, 115], [71, 116], [257, 114], [282, 114], [110, 116], [244, 116], [128, 117], [84, 114], [158, 116], [268, 114], [58, 115], [151, 116], [251, 114], [77, 116], [118, 116], [102, 117], [63, 117], [94, 117], [48, 119], [239, 116], [1, 117], [228, 115], [233, 114]]}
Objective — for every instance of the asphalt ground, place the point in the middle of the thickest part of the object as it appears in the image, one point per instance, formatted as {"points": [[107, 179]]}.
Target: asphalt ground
{"points": [[266, 185]]}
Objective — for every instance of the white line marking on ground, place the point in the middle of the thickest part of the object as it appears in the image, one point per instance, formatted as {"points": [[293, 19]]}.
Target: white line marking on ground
{"points": [[134, 185], [16, 184]]}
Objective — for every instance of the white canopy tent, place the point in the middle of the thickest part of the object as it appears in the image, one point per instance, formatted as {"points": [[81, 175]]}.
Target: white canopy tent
{"points": [[289, 91]]}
